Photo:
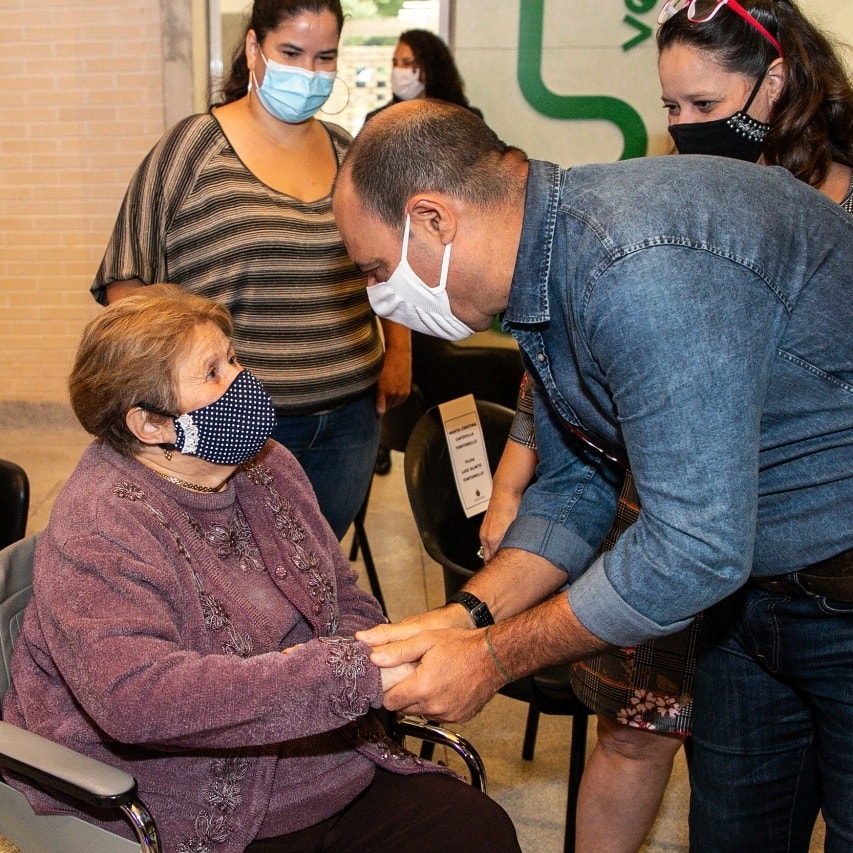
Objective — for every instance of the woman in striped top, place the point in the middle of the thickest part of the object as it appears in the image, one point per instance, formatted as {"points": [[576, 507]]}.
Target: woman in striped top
{"points": [[235, 205]]}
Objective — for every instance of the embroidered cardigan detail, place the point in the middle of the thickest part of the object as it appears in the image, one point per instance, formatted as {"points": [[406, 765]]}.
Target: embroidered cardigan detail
{"points": [[154, 640]]}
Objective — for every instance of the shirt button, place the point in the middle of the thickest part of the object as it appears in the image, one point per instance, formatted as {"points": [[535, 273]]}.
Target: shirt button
{"points": [[541, 357]]}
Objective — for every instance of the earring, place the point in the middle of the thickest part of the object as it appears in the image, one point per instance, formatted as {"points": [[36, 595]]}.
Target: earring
{"points": [[346, 102], [167, 453]]}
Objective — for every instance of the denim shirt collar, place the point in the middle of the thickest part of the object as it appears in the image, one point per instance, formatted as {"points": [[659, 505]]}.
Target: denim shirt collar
{"points": [[528, 297]]}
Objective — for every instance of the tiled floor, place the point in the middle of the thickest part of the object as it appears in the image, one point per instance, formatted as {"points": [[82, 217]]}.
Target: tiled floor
{"points": [[532, 792]]}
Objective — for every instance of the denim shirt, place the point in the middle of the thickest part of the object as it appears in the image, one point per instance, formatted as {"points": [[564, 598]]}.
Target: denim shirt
{"points": [[691, 316]]}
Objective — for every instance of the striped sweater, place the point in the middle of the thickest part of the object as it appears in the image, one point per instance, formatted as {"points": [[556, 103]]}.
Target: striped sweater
{"points": [[194, 215]]}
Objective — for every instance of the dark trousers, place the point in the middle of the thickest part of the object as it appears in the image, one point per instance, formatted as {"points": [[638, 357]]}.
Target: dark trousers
{"points": [[423, 813]]}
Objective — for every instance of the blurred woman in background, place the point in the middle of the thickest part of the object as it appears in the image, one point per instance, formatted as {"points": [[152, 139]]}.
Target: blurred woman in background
{"points": [[423, 67]]}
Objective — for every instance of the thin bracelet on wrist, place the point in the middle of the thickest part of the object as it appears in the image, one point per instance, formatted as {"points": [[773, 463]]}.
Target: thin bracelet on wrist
{"points": [[496, 659]]}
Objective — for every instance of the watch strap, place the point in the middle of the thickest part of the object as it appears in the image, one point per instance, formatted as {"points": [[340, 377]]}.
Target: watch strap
{"points": [[479, 610]]}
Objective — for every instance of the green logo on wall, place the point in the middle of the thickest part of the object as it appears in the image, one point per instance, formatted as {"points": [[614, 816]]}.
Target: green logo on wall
{"points": [[578, 107]]}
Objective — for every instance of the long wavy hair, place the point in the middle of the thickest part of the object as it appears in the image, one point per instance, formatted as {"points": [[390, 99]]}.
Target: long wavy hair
{"points": [[435, 59], [266, 16], [812, 121]]}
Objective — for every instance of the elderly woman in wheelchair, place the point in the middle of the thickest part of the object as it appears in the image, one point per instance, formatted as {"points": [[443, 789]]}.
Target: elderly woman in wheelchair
{"points": [[192, 617]]}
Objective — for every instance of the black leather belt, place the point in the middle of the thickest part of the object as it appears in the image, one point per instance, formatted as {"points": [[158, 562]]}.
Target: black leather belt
{"points": [[832, 578]]}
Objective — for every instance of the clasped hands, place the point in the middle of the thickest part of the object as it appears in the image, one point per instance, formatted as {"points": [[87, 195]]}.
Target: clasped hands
{"points": [[434, 665]]}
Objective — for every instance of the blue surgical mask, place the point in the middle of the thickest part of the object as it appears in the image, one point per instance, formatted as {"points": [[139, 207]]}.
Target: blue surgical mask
{"points": [[290, 93]]}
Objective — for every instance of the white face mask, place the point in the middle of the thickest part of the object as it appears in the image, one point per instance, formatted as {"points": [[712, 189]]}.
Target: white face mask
{"points": [[406, 299], [406, 83]]}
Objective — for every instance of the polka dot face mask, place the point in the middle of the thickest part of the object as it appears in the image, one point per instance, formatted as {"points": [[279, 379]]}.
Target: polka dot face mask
{"points": [[231, 430]]}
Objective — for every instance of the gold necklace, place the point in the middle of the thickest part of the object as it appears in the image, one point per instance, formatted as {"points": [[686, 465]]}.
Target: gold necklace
{"points": [[193, 487]]}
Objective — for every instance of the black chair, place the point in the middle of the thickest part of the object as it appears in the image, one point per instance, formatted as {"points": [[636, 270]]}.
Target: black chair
{"points": [[487, 366], [490, 369], [452, 540], [14, 502], [92, 782]]}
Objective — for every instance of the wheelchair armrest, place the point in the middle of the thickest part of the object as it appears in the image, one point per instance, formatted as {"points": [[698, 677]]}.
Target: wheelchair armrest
{"points": [[62, 769], [434, 733]]}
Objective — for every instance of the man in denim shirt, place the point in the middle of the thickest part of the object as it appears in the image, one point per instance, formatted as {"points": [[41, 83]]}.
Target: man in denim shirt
{"points": [[690, 317]]}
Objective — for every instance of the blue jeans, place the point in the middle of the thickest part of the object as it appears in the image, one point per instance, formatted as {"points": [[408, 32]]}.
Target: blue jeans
{"points": [[773, 725], [338, 451]]}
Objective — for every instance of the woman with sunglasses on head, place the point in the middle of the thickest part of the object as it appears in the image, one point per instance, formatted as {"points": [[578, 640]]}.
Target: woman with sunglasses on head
{"points": [[758, 81], [773, 692]]}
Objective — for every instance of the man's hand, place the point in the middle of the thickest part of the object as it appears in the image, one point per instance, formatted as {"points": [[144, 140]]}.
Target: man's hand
{"points": [[456, 673], [431, 689], [449, 616], [454, 679]]}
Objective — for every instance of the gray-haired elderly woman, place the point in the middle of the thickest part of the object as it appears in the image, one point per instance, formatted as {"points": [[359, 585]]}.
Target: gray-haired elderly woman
{"points": [[193, 616]]}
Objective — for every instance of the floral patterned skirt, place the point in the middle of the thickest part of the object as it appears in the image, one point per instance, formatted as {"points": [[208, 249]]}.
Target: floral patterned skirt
{"points": [[648, 686]]}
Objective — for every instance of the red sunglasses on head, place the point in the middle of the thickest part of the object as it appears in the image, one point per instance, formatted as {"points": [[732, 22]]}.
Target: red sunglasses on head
{"points": [[700, 11]]}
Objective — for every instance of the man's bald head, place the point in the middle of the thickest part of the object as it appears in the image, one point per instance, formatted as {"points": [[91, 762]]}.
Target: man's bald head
{"points": [[428, 146]]}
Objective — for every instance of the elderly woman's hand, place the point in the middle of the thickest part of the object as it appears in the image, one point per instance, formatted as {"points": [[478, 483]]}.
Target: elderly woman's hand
{"points": [[393, 675]]}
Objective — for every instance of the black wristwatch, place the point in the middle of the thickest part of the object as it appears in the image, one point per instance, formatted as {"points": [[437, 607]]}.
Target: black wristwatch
{"points": [[479, 610]]}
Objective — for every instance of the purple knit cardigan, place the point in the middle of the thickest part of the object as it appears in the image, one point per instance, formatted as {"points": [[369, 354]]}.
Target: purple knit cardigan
{"points": [[139, 649]]}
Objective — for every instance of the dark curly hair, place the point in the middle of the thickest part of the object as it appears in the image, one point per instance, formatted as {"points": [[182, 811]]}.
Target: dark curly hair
{"points": [[435, 59], [266, 16], [812, 122]]}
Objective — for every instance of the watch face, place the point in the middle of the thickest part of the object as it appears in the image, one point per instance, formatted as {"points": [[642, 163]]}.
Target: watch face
{"points": [[479, 611]]}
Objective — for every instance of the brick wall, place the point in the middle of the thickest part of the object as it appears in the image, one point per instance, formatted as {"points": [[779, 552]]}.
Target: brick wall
{"points": [[83, 101]]}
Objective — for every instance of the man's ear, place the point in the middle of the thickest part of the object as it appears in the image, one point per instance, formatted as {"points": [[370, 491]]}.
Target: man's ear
{"points": [[150, 428], [776, 76], [437, 213]]}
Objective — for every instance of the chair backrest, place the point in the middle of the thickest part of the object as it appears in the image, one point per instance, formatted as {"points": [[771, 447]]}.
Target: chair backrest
{"points": [[16, 588], [14, 502], [397, 423], [451, 539], [444, 370]]}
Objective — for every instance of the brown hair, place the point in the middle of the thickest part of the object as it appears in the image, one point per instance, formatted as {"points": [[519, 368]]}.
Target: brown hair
{"points": [[129, 354], [812, 122]]}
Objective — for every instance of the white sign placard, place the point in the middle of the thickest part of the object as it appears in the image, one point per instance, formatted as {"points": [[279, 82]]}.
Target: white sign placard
{"points": [[468, 455]]}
